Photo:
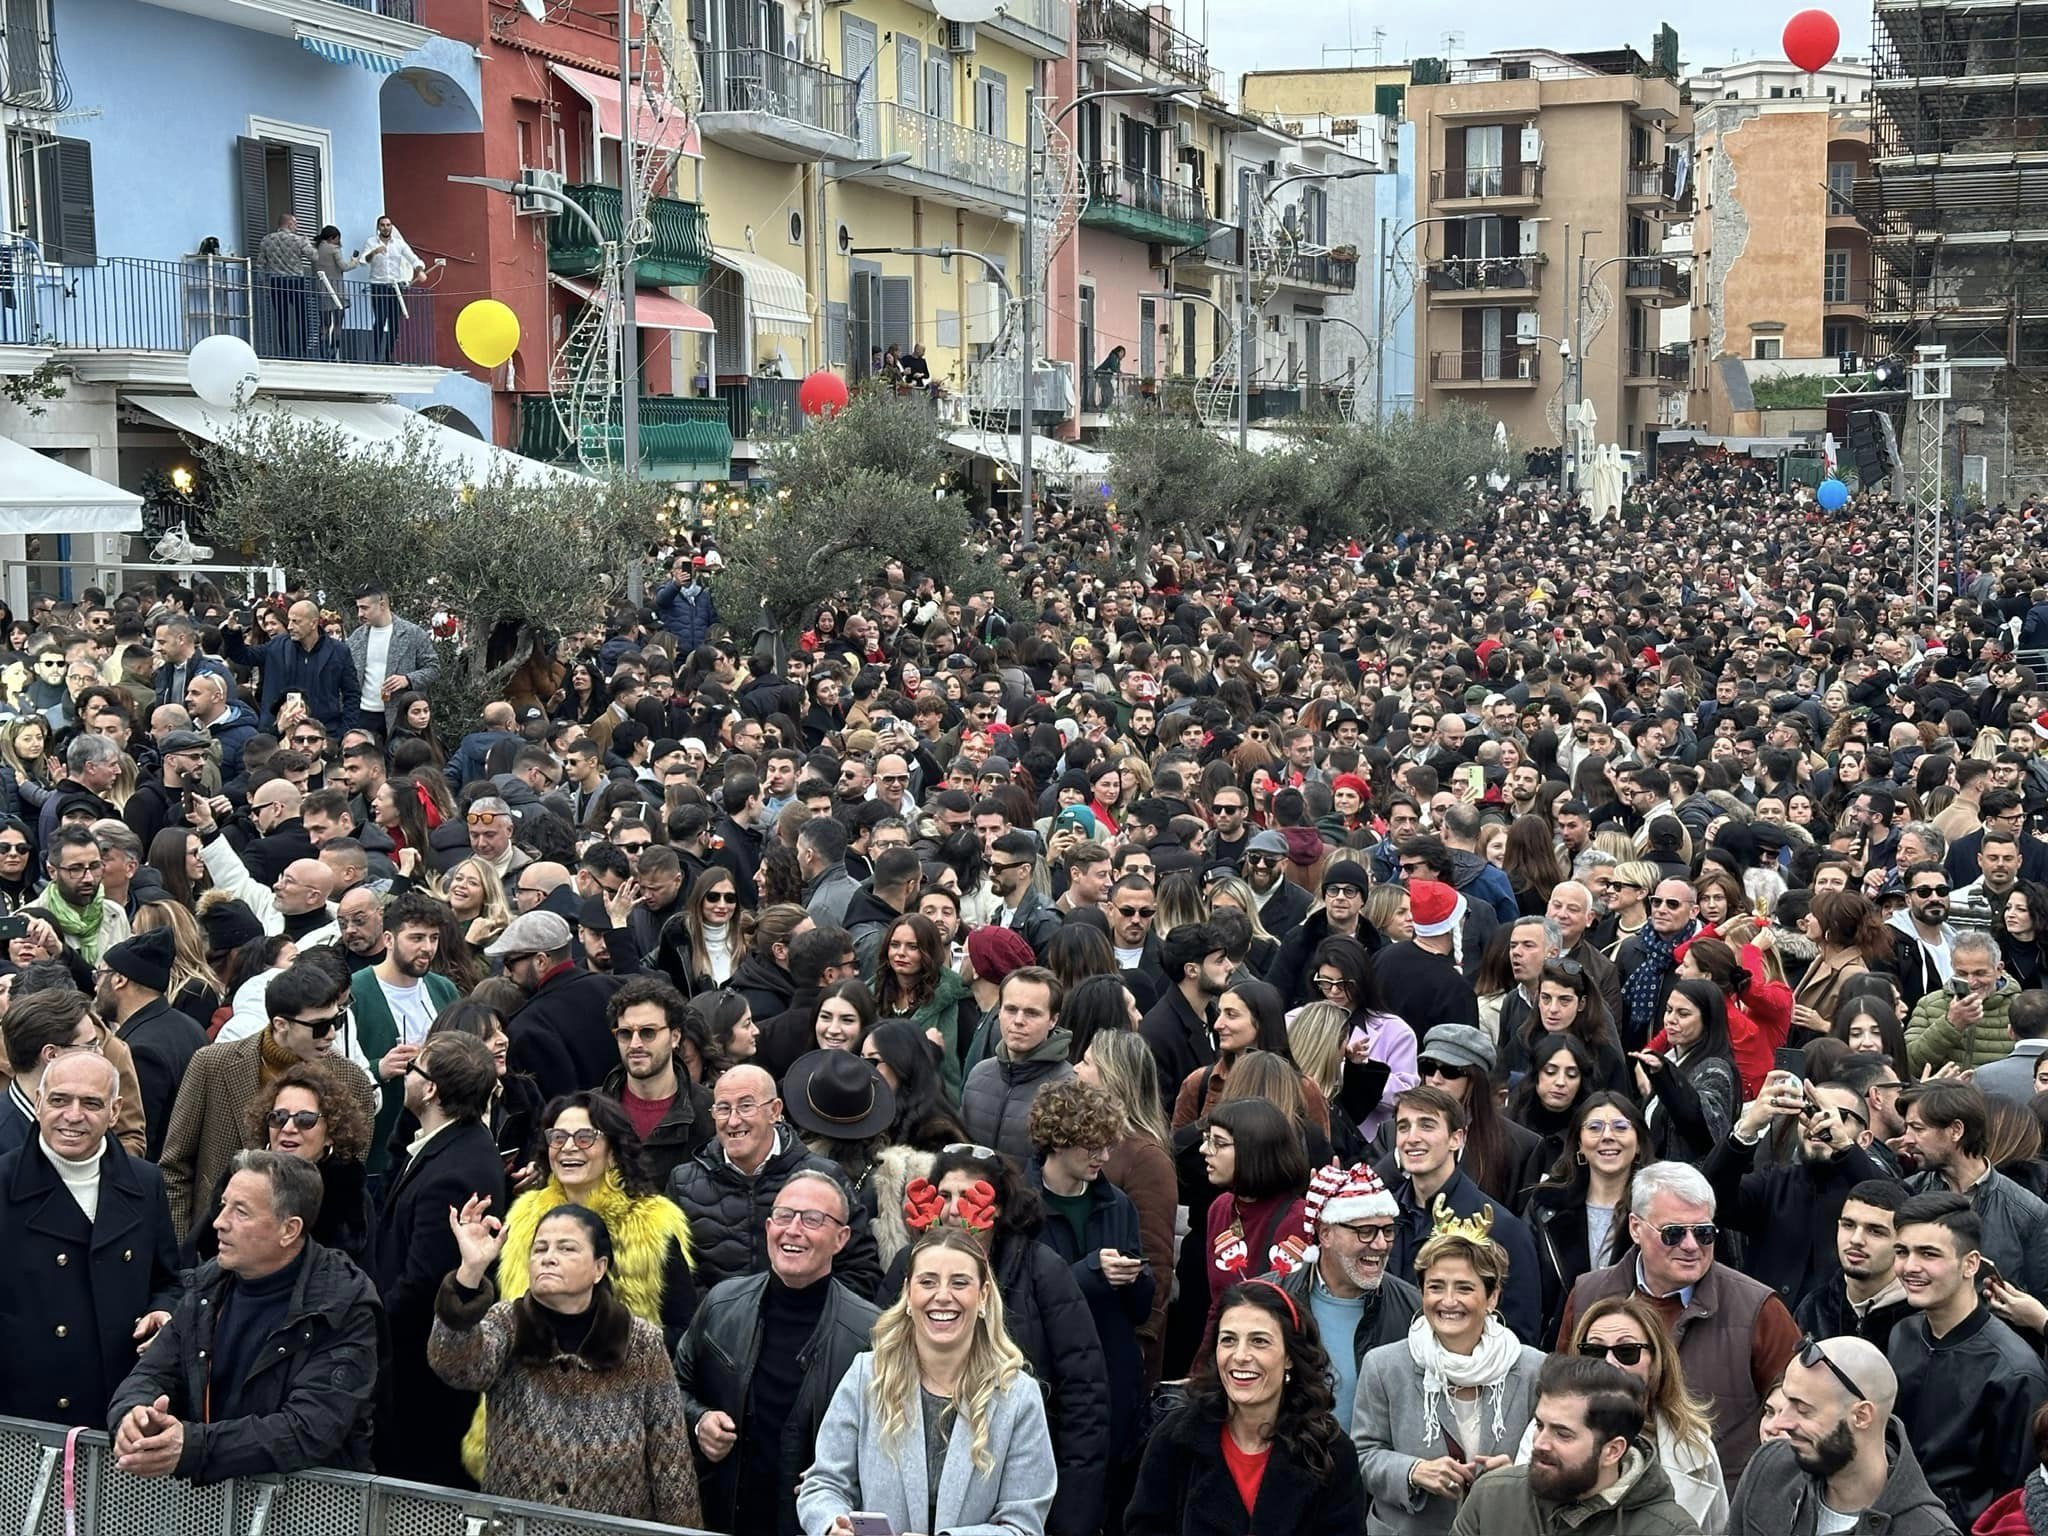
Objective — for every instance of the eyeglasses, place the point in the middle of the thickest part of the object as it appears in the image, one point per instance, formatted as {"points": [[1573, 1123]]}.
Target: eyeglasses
{"points": [[744, 1108], [302, 1119], [1918, 890], [1262, 860], [322, 1028], [81, 869], [1374, 1232], [970, 1149], [1701, 1232], [585, 1138], [1429, 1067], [1628, 1353], [648, 1032], [1669, 903], [1143, 912], [1341, 891], [1002, 869], [1811, 1355], [484, 818], [13, 850], [810, 1221], [1624, 885], [723, 898], [1330, 983]]}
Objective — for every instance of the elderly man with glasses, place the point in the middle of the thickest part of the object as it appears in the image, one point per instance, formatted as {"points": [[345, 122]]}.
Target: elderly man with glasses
{"points": [[1734, 1334]]}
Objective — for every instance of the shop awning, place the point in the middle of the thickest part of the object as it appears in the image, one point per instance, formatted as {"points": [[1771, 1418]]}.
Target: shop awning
{"points": [[652, 308], [370, 425], [1049, 456], [673, 130], [337, 51], [777, 300], [38, 494]]}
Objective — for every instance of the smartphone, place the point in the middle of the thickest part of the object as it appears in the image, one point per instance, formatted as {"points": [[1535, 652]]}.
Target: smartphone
{"points": [[1957, 987], [867, 1523], [13, 928], [1789, 1058], [1989, 1271]]}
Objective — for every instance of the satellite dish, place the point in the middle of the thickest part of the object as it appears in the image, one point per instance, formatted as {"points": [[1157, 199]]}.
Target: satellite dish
{"points": [[967, 10]]}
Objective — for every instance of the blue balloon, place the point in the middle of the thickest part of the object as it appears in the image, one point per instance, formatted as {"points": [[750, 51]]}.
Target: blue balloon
{"points": [[1832, 495]]}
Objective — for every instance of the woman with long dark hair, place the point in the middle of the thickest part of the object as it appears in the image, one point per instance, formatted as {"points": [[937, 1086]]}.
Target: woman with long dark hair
{"points": [[1852, 939], [1259, 1445], [1579, 1213], [908, 1062], [1568, 1001], [1459, 1060], [174, 855], [1096, 1005], [1691, 1093], [701, 944], [915, 980], [2020, 924], [1750, 1043], [1547, 1098], [1249, 1017], [1531, 864], [1378, 1048]]}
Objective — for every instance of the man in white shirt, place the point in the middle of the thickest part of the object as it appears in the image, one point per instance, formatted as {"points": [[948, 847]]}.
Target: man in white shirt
{"points": [[392, 267]]}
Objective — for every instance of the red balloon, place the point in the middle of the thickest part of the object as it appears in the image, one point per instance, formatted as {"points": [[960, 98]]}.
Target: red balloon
{"points": [[1811, 38], [822, 394]]}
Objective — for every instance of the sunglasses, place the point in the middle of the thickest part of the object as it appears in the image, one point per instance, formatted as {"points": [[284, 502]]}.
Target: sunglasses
{"points": [[1329, 983], [1668, 903], [1701, 1232], [1812, 1356], [484, 819], [1144, 912], [1429, 1067], [1262, 860], [972, 1149], [585, 1138], [322, 1028], [303, 1119], [1620, 1354], [13, 850], [1918, 890]]}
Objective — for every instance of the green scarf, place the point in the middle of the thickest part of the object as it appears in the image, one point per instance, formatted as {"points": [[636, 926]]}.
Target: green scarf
{"points": [[80, 925]]}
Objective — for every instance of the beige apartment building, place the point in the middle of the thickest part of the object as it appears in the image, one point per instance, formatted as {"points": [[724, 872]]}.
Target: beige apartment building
{"points": [[1781, 265], [1543, 185]]}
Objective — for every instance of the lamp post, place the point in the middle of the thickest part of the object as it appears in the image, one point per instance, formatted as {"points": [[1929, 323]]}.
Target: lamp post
{"points": [[1576, 374]]}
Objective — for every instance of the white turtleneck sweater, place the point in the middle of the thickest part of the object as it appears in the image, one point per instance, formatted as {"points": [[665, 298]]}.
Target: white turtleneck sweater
{"points": [[81, 1178]]}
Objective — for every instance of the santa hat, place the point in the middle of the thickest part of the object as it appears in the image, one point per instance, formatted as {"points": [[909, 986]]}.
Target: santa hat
{"points": [[1353, 1194], [2041, 725], [1434, 905]]}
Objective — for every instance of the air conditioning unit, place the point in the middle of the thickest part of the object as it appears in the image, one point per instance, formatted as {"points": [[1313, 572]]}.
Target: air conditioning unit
{"points": [[958, 36], [1525, 365], [1532, 146], [526, 202], [1183, 136], [984, 313], [1162, 113]]}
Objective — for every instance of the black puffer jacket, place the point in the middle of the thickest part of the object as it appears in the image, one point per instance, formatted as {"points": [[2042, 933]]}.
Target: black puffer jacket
{"points": [[305, 1403], [728, 1214], [1048, 1320]]}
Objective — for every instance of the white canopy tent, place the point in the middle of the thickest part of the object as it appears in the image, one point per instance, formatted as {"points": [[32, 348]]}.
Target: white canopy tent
{"points": [[39, 494]]}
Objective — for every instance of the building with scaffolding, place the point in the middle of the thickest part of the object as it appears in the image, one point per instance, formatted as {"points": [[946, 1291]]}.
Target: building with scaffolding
{"points": [[1957, 204]]}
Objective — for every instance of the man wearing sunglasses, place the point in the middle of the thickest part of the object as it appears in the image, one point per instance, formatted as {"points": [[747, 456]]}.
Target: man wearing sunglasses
{"points": [[1734, 1334], [1922, 933]]}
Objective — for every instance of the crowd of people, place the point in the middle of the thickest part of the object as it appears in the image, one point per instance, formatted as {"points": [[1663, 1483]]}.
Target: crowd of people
{"points": [[1527, 1029]]}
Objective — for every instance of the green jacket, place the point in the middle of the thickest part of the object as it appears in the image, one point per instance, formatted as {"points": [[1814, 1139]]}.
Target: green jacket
{"points": [[943, 1013], [1501, 1503], [376, 1033], [1932, 1039]]}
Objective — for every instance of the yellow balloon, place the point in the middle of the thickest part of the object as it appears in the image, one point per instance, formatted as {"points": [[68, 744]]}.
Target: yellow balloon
{"points": [[488, 332]]}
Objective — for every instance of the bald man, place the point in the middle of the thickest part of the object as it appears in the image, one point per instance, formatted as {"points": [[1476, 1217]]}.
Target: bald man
{"points": [[1572, 909], [533, 885], [306, 671], [93, 1221], [1842, 1453], [301, 895], [275, 808]]}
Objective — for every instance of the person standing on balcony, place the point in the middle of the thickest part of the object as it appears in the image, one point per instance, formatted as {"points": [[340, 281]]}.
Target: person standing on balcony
{"points": [[393, 267], [283, 259], [331, 288]]}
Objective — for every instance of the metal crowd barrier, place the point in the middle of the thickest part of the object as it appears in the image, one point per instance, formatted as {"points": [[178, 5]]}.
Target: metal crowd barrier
{"points": [[110, 1502]]}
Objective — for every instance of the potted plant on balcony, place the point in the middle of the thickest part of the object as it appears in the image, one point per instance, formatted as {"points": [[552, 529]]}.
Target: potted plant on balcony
{"points": [[1343, 253]]}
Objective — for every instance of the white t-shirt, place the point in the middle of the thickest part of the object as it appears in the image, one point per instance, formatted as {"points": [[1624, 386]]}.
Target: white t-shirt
{"points": [[411, 1010], [376, 662], [1130, 959], [1832, 1522]]}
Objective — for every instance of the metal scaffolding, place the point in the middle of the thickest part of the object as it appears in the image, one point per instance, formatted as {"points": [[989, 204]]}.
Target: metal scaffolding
{"points": [[1928, 388]]}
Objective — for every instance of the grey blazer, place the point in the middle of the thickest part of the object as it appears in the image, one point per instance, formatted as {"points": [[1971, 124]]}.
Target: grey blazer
{"points": [[413, 656], [854, 1470], [1386, 1427]]}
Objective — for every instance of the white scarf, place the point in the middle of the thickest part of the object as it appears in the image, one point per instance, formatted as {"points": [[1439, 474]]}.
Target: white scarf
{"points": [[1486, 1367]]}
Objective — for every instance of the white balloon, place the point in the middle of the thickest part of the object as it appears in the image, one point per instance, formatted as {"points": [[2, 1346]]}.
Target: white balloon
{"points": [[224, 371], [967, 10]]}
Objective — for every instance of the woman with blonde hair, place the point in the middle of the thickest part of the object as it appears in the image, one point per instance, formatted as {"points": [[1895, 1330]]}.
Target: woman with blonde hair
{"points": [[1629, 897], [25, 752], [1140, 1163], [476, 895], [196, 989], [1626, 1331], [939, 1427]]}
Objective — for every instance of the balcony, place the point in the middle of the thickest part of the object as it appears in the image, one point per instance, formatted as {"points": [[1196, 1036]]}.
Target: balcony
{"points": [[1653, 277], [388, 29], [1144, 207], [678, 257], [680, 439], [760, 409], [1458, 279], [1649, 184], [1506, 367], [1042, 28], [774, 108], [1320, 271], [992, 391], [1487, 186], [132, 321], [949, 163], [1158, 48], [1272, 402], [1648, 367]]}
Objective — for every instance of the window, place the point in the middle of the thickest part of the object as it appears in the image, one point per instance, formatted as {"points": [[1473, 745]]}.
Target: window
{"points": [[1777, 93], [1766, 349], [1834, 277], [1837, 337], [991, 103], [51, 196], [1841, 185]]}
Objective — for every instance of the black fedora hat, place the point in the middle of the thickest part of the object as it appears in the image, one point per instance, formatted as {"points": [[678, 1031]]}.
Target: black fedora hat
{"points": [[838, 1094]]}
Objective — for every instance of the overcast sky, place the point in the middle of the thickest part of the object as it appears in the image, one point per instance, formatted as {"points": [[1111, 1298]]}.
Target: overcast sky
{"points": [[1293, 34]]}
